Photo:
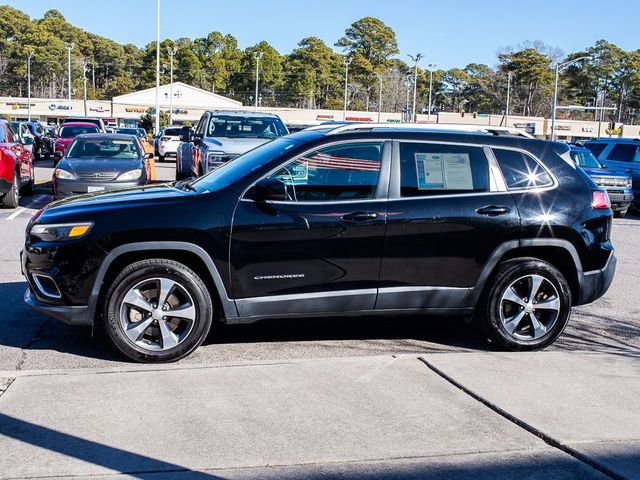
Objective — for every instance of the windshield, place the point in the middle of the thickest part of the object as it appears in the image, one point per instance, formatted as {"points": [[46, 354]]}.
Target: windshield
{"points": [[246, 163], [235, 126], [105, 148], [585, 158], [70, 132]]}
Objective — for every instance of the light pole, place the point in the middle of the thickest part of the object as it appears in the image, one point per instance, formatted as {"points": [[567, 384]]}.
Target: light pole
{"points": [[69, 47], [257, 56], [407, 84], [84, 85], [431, 67], [415, 59], [559, 66], [29, 86], [506, 111], [172, 51], [157, 124], [347, 62], [380, 77]]}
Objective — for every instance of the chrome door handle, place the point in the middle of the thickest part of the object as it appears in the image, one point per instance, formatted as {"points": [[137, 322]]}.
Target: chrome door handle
{"points": [[359, 216]]}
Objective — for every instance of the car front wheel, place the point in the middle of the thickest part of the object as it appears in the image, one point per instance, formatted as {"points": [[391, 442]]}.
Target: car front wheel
{"points": [[12, 197], [527, 306], [157, 310]]}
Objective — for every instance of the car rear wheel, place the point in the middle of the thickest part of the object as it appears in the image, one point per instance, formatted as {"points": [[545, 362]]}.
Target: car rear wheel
{"points": [[157, 310], [12, 197], [161, 158], [527, 306]]}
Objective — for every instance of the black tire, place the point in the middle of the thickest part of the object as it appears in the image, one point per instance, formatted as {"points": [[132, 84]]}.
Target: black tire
{"points": [[494, 311], [12, 197], [117, 313], [180, 176], [621, 213], [161, 158]]}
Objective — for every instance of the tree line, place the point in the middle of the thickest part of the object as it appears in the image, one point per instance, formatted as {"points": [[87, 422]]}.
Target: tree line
{"points": [[313, 74]]}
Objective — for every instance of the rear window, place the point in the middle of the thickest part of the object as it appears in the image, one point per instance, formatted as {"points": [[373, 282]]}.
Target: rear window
{"points": [[70, 132], [624, 152], [174, 132], [521, 171]]}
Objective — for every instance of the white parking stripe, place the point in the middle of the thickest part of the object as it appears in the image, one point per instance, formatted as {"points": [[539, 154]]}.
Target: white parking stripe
{"points": [[15, 214]]}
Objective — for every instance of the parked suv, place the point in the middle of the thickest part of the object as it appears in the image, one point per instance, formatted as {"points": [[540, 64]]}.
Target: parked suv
{"points": [[16, 165], [617, 185], [621, 155], [347, 220], [222, 136], [168, 142]]}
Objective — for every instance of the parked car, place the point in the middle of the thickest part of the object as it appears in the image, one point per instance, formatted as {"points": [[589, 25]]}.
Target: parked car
{"points": [[67, 133], [620, 155], [339, 221], [98, 162], [168, 143], [617, 185], [95, 120], [24, 133], [16, 166], [222, 136]]}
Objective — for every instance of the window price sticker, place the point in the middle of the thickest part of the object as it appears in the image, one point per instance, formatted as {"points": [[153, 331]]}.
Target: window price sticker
{"points": [[443, 171]]}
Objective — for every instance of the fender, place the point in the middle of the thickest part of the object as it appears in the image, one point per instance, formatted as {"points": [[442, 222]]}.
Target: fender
{"points": [[228, 305]]}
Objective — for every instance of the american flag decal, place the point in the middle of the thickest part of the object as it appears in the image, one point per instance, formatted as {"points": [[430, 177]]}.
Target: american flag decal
{"points": [[321, 160]]}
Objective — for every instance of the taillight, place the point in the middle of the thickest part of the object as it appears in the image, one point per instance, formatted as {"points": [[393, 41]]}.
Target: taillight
{"points": [[601, 200], [165, 139]]}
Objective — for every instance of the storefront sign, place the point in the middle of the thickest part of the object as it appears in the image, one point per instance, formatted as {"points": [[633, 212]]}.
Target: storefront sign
{"points": [[60, 106], [322, 116], [564, 128], [18, 106], [588, 129], [528, 127], [100, 109], [359, 119], [135, 109]]}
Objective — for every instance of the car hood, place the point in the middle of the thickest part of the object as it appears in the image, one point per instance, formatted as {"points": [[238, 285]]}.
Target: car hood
{"points": [[604, 172], [87, 166], [234, 146]]}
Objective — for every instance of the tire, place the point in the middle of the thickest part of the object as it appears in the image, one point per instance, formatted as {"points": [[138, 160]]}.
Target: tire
{"points": [[511, 318], [159, 337], [161, 158], [12, 197], [621, 213]]}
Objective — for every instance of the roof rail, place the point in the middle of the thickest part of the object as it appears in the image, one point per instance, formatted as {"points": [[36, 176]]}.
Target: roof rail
{"points": [[489, 129]]}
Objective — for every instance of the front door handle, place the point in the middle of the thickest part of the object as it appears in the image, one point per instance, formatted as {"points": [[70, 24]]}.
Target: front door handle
{"points": [[359, 216], [493, 210]]}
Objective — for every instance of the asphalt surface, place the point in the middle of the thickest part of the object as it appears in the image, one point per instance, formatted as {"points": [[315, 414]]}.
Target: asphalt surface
{"points": [[29, 340]]}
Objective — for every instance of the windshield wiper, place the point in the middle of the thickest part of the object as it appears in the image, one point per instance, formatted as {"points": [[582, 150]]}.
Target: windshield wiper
{"points": [[185, 185]]}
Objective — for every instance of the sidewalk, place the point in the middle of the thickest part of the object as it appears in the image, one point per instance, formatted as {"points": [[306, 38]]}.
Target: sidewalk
{"points": [[372, 417]]}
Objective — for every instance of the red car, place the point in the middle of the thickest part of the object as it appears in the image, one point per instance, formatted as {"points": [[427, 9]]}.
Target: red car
{"points": [[66, 134], [16, 166]]}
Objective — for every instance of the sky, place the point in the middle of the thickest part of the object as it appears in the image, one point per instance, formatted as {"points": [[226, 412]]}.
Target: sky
{"points": [[449, 33]]}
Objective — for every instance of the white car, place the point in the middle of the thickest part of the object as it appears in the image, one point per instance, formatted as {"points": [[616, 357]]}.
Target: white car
{"points": [[168, 143]]}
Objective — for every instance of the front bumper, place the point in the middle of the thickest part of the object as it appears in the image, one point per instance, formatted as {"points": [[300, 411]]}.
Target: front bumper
{"points": [[67, 188], [620, 200], [595, 283], [73, 315]]}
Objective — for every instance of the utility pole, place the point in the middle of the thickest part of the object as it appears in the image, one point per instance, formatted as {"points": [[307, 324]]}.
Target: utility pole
{"points": [[29, 86], [431, 67], [347, 62], [93, 77], [415, 59], [407, 84], [172, 52], [84, 85], [69, 47], [380, 78], [157, 124], [559, 66], [257, 56], [506, 111]]}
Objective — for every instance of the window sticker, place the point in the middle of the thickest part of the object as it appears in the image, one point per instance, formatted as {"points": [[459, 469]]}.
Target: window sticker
{"points": [[443, 171]]}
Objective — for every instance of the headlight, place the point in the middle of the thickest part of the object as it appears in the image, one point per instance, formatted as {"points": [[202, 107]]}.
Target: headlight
{"points": [[63, 174], [60, 231], [216, 157], [628, 182], [131, 175]]}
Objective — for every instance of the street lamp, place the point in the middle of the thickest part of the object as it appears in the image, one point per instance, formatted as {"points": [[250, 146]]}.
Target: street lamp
{"points": [[431, 67], [257, 56], [415, 59], [347, 62], [408, 82], [172, 51], [84, 85], [69, 47], [380, 78], [506, 111], [157, 123], [29, 86], [559, 66]]}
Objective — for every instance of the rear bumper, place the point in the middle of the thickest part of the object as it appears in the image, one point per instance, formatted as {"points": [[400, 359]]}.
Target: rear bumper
{"points": [[595, 283], [73, 315]]}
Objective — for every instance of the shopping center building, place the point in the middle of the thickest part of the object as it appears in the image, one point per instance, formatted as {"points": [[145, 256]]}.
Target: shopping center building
{"points": [[188, 103]]}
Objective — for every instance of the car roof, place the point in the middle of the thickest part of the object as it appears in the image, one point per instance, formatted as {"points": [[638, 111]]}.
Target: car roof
{"points": [[243, 113], [107, 136], [614, 140], [79, 124]]}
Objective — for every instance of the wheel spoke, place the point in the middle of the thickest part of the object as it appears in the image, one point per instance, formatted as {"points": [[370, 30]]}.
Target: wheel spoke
{"points": [[134, 297], [536, 281], [164, 290], [135, 330], [538, 329], [169, 339], [512, 296], [552, 303], [512, 323], [187, 312]]}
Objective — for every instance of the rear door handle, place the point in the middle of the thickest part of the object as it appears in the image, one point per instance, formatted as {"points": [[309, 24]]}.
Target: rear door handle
{"points": [[493, 210], [359, 216]]}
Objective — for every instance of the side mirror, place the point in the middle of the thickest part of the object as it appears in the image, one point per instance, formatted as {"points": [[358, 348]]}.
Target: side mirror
{"points": [[147, 156], [268, 189], [186, 134], [604, 165]]}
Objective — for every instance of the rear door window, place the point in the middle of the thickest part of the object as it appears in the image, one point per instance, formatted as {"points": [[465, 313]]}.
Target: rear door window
{"points": [[624, 152], [428, 169], [520, 170], [596, 148]]}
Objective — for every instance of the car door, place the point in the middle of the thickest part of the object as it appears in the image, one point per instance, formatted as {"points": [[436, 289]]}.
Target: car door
{"points": [[320, 250], [448, 212], [625, 158], [22, 154]]}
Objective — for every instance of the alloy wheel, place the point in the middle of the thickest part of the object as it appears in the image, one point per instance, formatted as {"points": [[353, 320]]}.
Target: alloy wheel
{"points": [[529, 307]]}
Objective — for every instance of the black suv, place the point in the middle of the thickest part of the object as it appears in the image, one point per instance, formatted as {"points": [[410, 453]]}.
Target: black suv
{"points": [[353, 219]]}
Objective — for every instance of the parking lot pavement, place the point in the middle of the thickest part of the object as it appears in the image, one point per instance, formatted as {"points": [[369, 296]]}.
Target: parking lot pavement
{"points": [[313, 418]]}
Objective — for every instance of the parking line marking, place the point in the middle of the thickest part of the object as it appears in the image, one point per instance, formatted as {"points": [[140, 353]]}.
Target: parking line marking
{"points": [[15, 214]]}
